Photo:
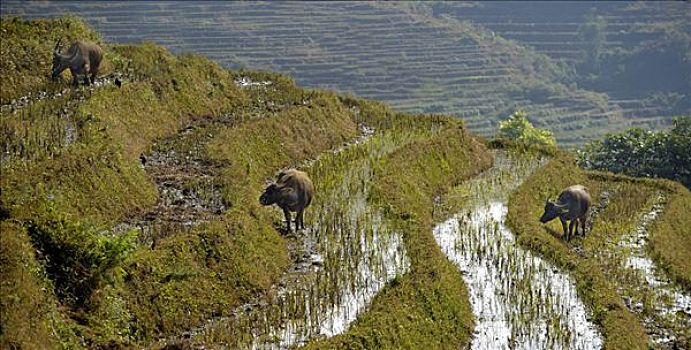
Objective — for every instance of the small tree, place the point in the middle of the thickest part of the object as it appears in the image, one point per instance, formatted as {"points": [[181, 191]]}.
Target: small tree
{"points": [[518, 128]]}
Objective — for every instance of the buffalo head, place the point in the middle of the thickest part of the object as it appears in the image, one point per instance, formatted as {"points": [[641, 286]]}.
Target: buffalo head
{"points": [[270, 195], [60, 61], [552, 210]]}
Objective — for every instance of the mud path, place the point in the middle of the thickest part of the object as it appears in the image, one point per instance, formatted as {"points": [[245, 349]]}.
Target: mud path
{"points": [[520, 300], [185, 180], [27, 100], [185, 177], [342, 260]]}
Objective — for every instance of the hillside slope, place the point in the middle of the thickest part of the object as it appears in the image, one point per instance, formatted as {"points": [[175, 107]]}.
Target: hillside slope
{"points": [[639, 53], [405, 55], [130, 214]]}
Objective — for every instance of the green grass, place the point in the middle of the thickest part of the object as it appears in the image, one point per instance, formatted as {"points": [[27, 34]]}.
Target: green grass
{"points": [[621, 329], [30, 318], [66, 194], [111, 290], [598, 276], [670, 234], [428, 307], [67, 283]]}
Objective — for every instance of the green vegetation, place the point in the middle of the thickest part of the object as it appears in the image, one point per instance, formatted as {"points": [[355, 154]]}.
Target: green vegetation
{"points": [[428, 307], [73, 177], [30, 317], [518, 128], [670, 236], [620, 327], [68, 194], [599, 268], [638, 152], [419, 58], [78, 174], [27, 49]]}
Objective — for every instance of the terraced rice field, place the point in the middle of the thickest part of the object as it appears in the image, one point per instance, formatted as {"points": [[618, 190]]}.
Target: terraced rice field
{"points": [[557, 35], [521, 301], [553, 30], [343, 259], [415, 61]]}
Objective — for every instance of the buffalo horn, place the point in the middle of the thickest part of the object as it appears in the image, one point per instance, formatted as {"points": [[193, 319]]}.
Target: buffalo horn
{"points": [[56, 49]]}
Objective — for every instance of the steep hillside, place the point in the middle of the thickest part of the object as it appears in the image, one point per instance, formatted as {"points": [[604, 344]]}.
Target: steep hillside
{"points": [[130, 219], [404, 55], [639, 53]]}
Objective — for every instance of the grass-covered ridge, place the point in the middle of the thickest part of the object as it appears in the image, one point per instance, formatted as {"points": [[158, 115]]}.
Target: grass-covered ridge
{"points": [[27, 48], [89, 258], [595, 261], [64, 194]]}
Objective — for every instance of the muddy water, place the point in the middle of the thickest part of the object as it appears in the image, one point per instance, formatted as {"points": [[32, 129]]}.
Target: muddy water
{"points": [[520, 301], [343, 259], [664, 307]]}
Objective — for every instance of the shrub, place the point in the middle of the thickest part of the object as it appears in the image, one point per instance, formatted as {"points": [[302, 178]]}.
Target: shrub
{"points": [[639, 152], [518, 128]]}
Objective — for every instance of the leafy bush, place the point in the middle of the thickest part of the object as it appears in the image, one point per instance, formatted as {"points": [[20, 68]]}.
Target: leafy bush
{"points": [[638, 152], [518, 128], [78, 258]]}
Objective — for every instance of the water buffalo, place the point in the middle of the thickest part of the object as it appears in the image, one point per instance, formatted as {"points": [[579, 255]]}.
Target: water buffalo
{"points": [[292, 191], [572, 205], [82, 58]]}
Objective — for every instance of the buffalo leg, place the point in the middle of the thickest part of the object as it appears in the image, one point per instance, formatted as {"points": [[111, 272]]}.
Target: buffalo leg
{"points": [[301, 219], [75, 77], [583, 225], [563, 226], [93, 76], [286, 212], [572, 225], [297, 221], [86, 69]]}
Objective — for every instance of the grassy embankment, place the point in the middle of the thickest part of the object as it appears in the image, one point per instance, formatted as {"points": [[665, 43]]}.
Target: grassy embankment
{"points": [[597, 268], [71, 171], [58, 197]]}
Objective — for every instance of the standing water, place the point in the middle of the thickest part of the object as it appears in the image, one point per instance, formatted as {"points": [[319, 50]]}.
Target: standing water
{"points": [[667, 317], [520, 301], [344, 258]]}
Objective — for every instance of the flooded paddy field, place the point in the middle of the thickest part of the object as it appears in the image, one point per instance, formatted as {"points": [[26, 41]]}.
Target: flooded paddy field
{"points": [[347, 254], [520, 300], [663, 307]]}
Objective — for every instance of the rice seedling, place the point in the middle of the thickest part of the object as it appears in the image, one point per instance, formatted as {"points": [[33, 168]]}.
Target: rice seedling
{"points": [[520, 300]]}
